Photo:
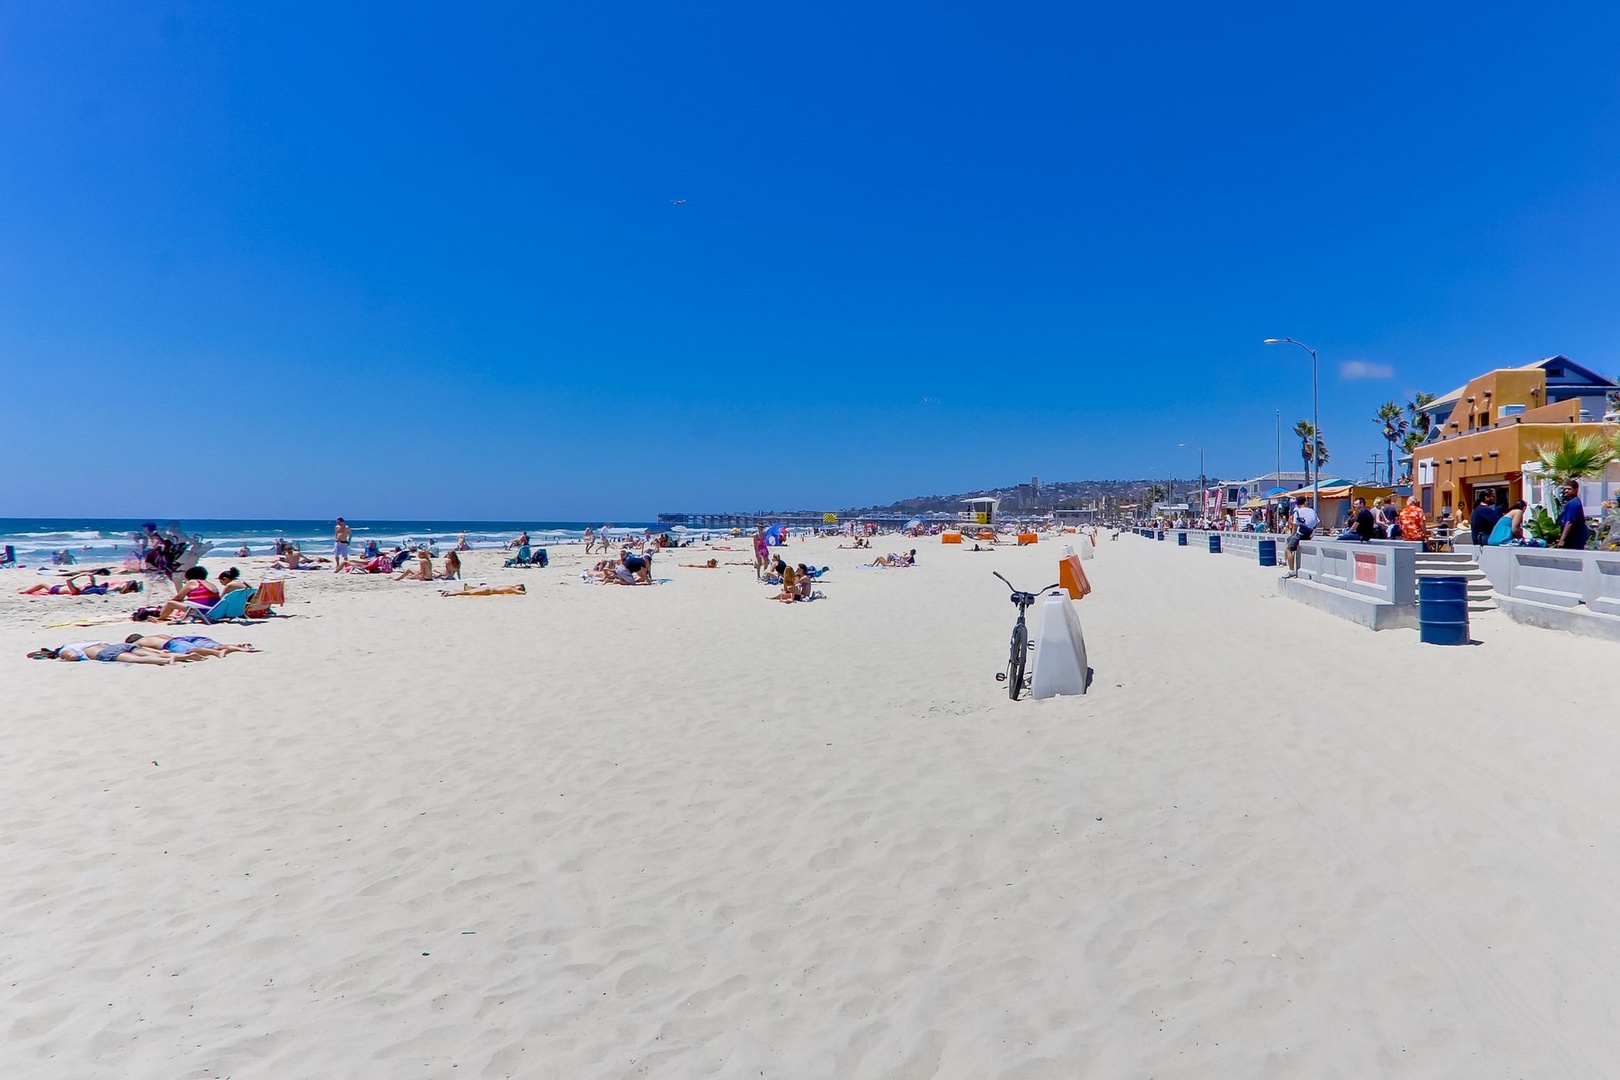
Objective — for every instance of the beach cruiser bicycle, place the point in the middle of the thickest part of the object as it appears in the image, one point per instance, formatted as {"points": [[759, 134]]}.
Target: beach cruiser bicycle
{"points": [[1018, 650]]}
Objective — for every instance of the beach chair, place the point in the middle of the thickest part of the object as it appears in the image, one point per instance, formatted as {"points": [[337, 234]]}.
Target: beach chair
{"points": [[9, 556], [521, 558], [233, 605], [266, 597]]}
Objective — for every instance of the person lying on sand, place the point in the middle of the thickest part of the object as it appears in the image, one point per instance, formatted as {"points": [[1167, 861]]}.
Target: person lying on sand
{"points": [[486, 590], [192, 645], [891, 559], [106, 652], [860, 542], [68, 588], [712, 564]]}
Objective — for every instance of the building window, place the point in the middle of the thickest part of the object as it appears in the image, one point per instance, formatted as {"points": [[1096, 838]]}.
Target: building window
{"points": [[1428, 501]]}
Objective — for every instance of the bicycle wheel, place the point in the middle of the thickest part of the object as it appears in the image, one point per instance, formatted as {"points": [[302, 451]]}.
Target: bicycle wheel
{"points": [[1015, 660]]}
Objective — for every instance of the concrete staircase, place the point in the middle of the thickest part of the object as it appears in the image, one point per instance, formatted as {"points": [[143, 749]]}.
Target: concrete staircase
{"points": [[1463, 564]]}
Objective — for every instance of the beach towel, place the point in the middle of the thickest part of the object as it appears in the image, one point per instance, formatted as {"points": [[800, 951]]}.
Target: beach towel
{"points": [[265, 597]]}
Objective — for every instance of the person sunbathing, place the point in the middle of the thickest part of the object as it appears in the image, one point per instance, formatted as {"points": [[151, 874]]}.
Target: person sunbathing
{"points": [[423, 571], [712, 564], [193, 646], [68, 588], [486, 590], [106, 652], [891, 559], [194, 593], [294, 559], [790, 579]]}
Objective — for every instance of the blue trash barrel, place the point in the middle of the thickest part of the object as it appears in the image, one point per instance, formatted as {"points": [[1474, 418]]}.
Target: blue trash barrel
{"points": [[1215, 542], [1443, 610], [1268, 553], [1181, 539]]}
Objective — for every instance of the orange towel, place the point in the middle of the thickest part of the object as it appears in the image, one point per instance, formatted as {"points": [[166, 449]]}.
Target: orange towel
{"points": [[270, 593]]}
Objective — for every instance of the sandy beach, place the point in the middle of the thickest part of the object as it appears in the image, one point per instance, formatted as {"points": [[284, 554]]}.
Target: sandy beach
{"points": [[682, 831]]}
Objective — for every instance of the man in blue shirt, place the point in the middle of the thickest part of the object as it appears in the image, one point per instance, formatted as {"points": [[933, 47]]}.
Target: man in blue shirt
{"points": [[1572, 531]]}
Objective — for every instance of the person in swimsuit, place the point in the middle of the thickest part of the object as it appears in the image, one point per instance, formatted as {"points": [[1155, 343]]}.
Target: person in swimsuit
{"points": [[762, 553], [192, 646], [230, 580], [340, 545], [193, 593], [423, 570], [68, 588], [452, 567], [486, 590], [106, 652]]}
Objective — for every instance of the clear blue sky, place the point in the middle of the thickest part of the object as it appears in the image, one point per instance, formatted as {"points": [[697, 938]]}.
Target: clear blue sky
{"points": [[401, 260]]}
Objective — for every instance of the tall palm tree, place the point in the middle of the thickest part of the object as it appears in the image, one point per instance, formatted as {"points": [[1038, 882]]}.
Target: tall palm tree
{"points": [[1304, 431], [1394, 427], [1419, 419]]}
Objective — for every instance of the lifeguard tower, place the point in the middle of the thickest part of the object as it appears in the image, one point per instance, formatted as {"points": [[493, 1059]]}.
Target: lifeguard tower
{"points": [[981, 511]]}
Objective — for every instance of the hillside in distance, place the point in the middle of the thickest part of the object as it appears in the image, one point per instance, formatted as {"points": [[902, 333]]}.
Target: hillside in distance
{"points": [[1063, 495]]}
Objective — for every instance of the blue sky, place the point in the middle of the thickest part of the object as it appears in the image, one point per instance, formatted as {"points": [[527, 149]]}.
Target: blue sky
{"points": [[408, 260]]}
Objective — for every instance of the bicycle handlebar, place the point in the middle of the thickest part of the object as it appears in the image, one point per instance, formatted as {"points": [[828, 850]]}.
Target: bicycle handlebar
{"points": [[1037, 592]]}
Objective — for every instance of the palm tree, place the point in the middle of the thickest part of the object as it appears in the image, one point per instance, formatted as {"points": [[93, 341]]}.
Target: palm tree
{"points": [[1575, 456], [1394, 425], [1305, 432], [1420, 419]]}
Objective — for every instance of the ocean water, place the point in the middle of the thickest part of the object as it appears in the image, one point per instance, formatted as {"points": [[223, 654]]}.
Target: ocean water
{"points": [[105, 540]]}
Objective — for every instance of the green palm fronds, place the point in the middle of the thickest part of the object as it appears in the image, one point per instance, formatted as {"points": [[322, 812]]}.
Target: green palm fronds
{"points": [[1575, 456]]}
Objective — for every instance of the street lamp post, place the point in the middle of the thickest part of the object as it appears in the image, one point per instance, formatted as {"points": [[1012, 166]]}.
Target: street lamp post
{"points": [[1316, 424], [1201, 481]]}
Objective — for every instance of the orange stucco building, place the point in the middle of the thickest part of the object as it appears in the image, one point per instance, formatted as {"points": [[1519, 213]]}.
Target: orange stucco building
{"points": [[1495, 425]]}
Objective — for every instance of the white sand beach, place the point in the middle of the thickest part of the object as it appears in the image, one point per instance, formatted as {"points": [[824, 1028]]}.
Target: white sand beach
{"points": [[682, 831]]}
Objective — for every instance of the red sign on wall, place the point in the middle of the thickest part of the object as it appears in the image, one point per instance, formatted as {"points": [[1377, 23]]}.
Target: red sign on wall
{"points": [[1367, 569]]}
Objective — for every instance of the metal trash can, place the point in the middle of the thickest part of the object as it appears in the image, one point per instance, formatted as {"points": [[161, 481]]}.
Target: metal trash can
{"points": [[1443, 610], [1215, 542], [1268, 552], [1181, 539]]}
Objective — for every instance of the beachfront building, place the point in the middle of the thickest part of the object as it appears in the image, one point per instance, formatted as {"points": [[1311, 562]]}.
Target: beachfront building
{"points": [[1488, 433], [1237, 498]]}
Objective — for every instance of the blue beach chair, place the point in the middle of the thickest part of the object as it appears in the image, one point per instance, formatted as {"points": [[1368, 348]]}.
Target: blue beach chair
{"points": [[233, 605]]}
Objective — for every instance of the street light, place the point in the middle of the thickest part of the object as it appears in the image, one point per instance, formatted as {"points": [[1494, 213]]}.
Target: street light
{"points": [[1316, 425], [1200, 449]]}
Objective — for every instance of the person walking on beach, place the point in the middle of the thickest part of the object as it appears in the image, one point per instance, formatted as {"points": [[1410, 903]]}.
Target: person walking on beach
{"points": [[1304, 528], [340, 546], [762, 553]]}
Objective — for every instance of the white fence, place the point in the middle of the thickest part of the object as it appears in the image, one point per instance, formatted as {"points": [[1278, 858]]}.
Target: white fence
{"points": [[1567, 579], [1385, 571]]}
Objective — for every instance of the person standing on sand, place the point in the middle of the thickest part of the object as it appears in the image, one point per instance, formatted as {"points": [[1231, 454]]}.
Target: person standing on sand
{"points": [[762, 553], [340, 546]]}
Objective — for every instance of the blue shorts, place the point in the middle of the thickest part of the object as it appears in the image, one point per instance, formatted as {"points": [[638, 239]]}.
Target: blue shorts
{"points": [[110, 653], [340, 551], [183, 645]]}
